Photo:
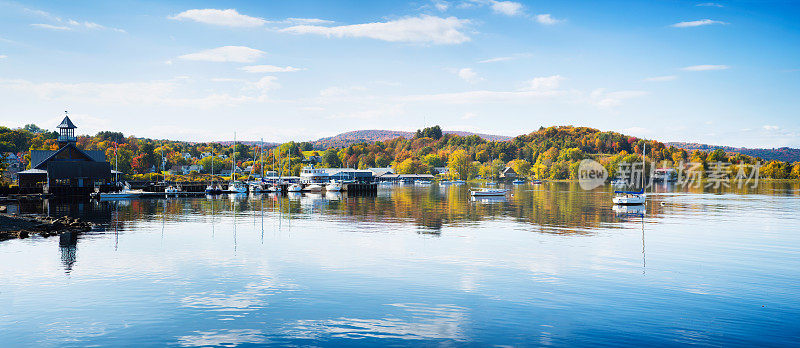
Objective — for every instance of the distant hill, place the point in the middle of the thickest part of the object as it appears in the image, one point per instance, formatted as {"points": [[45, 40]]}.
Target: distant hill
{"points": [[373, 135], [785, 154]]}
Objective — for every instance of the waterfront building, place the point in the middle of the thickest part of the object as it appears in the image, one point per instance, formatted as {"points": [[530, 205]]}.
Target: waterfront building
{"points": [[68, 170]]}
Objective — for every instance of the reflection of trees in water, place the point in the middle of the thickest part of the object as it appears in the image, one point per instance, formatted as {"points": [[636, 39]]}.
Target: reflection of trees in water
{"points": [[551, 207]]}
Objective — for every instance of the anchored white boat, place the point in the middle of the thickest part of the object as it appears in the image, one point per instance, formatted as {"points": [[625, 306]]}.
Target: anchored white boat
{"points": [[237, 187], [333, 186], [213, 189], [313, 188], [172, 189], [488, 192], [295, 188], [632, 197], [126, 192]]}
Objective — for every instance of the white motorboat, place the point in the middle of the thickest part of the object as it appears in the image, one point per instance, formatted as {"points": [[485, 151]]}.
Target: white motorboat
{"points": [[295, 188], [488, 192], [313, 188], [126, 192], [422, 182], [237, 187], [333, 186]]}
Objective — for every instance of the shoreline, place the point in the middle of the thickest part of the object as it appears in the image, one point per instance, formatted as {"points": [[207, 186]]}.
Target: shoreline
{"points": [[21, 227]]}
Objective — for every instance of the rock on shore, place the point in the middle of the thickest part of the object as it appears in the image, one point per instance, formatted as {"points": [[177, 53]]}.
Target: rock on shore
{"points": [[12, 227]]}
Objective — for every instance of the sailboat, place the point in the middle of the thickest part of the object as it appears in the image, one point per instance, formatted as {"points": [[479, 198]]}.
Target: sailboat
{"points": [[213, 189], [632, 197], [259, 186], [235, 186]]}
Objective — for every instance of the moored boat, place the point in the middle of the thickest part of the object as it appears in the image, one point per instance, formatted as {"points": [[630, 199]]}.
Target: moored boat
{"points": [[488, 192]]}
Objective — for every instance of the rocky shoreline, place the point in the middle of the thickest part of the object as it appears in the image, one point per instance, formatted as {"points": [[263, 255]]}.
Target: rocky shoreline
{"points": [[19, 227]]}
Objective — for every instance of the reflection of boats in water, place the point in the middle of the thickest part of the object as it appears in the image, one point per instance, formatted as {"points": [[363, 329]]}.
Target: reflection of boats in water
{"points": [[422, 182], [489, 199], [629, 210], [333, 195], [295, 188], [518, 182], [488, 192]]}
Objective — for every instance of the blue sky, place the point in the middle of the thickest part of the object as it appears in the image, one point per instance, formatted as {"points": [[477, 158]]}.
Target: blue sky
{"points": [[713, 72]]}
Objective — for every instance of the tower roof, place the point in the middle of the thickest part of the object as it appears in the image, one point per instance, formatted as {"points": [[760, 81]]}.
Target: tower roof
{"points": [[66, 123]]}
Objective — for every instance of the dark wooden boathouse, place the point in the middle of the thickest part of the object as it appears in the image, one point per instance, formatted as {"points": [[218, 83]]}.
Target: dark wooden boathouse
{"points": [[68, 171]]}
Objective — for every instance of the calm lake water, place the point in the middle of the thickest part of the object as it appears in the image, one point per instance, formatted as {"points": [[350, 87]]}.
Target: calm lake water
{"points": [[549, 265]]}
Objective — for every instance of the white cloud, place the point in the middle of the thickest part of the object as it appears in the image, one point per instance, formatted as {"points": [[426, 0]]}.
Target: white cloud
{"points": [[66, 24], [661, 78], [228, 18], [696, 23], [544, 83], [238, 54], [546, 19], [705, 67], [504, 59], [269, 69], [441, 5], [508, 8], [159, 92], [771, 128], [51, 27], [340, 91], [603, 99], [307, 21], [468, 75], [422, 29], [3, 56], [709, 4], [265, 84], [468, 116]]}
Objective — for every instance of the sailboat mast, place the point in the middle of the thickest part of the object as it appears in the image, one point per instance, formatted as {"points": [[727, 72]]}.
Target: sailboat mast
{"points": [[261, 153], [233, 168], [644, 156]]}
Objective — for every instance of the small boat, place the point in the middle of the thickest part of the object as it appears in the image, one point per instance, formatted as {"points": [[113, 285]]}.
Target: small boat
{"points": [[213, 189], [518, 182], [333, 186], [256, 186], [632, 197], [537, 182], [458, 182], [629, 197], [445, 182], [491, 183], [172, 189], [313, 188], [488, 192], [237, 187], [295, 188], [422, 182], [126, 192]]}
